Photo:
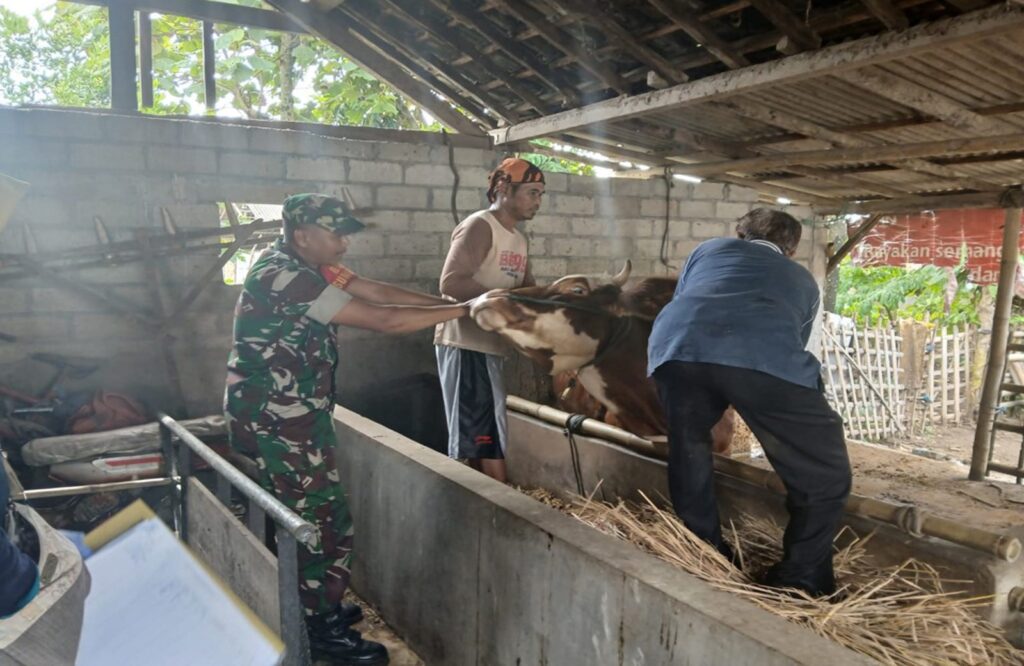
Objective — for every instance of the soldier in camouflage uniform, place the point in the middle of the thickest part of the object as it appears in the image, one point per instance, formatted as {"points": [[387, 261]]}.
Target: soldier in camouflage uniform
{"points": [[280, 390]]}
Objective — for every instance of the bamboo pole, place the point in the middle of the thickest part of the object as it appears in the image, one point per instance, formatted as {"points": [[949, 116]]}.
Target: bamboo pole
{"points": [[944, 377], [1002, 546], [997, 351], [956, 375]]}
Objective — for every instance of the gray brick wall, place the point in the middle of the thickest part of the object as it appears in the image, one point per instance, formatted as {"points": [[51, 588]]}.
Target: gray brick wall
{"points": [[126, 169]]}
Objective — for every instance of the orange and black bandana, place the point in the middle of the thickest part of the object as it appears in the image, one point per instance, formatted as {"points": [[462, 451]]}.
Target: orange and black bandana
{"points": [[515, 171]]}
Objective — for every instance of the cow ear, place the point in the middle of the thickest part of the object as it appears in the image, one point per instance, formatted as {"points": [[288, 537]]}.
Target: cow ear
{"points": [[623, 275]]}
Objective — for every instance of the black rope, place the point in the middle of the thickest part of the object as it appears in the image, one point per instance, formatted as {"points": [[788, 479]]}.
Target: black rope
{"points": [[573, 425], [663, 252], [455, 174]]}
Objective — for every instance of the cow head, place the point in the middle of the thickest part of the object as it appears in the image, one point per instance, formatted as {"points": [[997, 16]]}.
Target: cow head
{"points": [[560, 326]]}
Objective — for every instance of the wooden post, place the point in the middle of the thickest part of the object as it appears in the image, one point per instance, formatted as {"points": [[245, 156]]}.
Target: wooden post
{"points": [[146, 59], [997, 350], [123, 93], [209, 66]]}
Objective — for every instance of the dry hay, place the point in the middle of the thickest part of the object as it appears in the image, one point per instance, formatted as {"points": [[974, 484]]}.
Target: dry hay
{"points": [[895, 615]]}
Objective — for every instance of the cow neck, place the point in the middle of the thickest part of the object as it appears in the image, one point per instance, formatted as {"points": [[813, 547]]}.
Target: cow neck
{"points": [[621, 327]]}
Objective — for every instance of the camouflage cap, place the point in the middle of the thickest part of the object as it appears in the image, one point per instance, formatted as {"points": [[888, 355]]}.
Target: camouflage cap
{"points": [[330, 213]]}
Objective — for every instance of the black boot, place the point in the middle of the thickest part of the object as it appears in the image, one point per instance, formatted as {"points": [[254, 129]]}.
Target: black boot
{"points": [[817, 581], [350, 613], [332, 639]]}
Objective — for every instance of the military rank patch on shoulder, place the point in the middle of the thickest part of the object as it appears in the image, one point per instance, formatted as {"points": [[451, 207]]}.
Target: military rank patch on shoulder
{"points": [[339, 276]]}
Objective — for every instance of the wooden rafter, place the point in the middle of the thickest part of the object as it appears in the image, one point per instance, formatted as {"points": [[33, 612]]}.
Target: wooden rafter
{"points": [[799, 36], [564, 42], [689, 21], [792, 123], [995, 144], [624, 39], [327, 28], [917, 97], [460, 91], [513, 49], [990, 199], [734, 151], [830, 60], [455, 41], [891, 16]]}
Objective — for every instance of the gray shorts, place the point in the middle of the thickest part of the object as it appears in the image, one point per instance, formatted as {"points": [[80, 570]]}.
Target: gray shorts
{"points": [[474, 402]]}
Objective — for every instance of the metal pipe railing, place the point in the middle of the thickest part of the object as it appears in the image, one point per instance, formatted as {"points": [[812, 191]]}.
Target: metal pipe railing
{"points": [[910, 518], [303, 531], [294, 530]]}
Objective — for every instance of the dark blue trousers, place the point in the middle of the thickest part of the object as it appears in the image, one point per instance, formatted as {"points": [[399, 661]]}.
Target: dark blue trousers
{"points": [[802, 437]]}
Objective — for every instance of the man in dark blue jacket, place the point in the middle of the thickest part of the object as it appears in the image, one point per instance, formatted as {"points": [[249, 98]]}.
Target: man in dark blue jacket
{"points": [[736, 333], [19, 578]]}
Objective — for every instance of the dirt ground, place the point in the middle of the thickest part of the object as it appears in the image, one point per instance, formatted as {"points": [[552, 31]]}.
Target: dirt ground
{"points": [[931, 472]]}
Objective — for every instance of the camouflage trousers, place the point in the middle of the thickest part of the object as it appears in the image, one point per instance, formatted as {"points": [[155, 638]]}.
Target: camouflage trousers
{"points": [[297, 464]]}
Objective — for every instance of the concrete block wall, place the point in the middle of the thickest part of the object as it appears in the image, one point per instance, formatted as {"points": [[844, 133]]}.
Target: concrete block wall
{"points": [[125, 169]]}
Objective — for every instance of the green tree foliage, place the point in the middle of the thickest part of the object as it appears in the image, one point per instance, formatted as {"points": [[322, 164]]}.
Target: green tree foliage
{"points": [[886, 294], [62, 58]]}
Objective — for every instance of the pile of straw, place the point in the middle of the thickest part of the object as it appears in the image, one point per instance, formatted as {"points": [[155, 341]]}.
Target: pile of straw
{"points": [[895, 615]]}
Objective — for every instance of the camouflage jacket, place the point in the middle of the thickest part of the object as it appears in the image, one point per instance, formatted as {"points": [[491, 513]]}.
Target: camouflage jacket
{"points": [[284, 352]]}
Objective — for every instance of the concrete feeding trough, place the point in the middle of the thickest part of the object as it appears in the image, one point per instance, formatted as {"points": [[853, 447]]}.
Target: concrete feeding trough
{"points": [[470, 571]]}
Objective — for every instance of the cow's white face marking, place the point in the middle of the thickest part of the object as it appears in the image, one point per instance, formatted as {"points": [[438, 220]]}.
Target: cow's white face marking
{"points": [[553, 332], [592, 380]]}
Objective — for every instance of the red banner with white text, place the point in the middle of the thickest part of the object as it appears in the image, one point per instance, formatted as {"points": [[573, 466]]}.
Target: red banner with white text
{"points": [[939, 238]]}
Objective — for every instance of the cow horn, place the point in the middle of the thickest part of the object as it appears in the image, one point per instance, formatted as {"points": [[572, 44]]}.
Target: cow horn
{"points": [[623, 275]]}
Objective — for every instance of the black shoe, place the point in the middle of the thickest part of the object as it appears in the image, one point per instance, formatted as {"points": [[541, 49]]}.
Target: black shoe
{"points": [[349, 613], [332, 640], [820, 583]]}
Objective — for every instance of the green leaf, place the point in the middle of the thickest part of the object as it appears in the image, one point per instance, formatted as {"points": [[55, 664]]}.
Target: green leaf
{"points": [[304, 55], [228, 38]]}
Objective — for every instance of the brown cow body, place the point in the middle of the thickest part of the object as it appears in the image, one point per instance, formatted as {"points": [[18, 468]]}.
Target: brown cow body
{"points": [[597, 332]]}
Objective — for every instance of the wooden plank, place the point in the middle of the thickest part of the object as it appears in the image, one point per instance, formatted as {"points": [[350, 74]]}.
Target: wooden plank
{"points": [[220, 540], [943, 147], [452, 39], [146, 59], [830, 60], [219, 12], [891, 16], [514, 50], [990, 199], [788, 121], [689, 21], [910, 94], [565, 42], [209, 67], [121, 23], [624, 40], [800, 35], [326, 27], [945, 376]]}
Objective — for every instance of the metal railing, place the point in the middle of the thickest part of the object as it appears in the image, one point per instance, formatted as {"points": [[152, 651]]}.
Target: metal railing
{"points": [[291, 529]]}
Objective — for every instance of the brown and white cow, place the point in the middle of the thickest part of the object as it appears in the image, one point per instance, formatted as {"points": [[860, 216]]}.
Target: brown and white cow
{"points": [[597, 329]]}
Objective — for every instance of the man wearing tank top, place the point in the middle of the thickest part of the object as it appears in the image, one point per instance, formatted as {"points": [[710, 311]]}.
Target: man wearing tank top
{"points": [[487, 252]]}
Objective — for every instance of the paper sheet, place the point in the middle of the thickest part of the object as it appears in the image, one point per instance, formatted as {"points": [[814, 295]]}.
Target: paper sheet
{"points": [[152, 603]]}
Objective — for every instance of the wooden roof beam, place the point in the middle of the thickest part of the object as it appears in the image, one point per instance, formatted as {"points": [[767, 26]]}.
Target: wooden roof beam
{"points": [[891, 16], [870, 154], [921, 99], [830, 60], [326, 28], [916, 204], [799, 36], [690, 23], [514, 50], [452, 39], [565, 43], [624, 40], [792, 123]]}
